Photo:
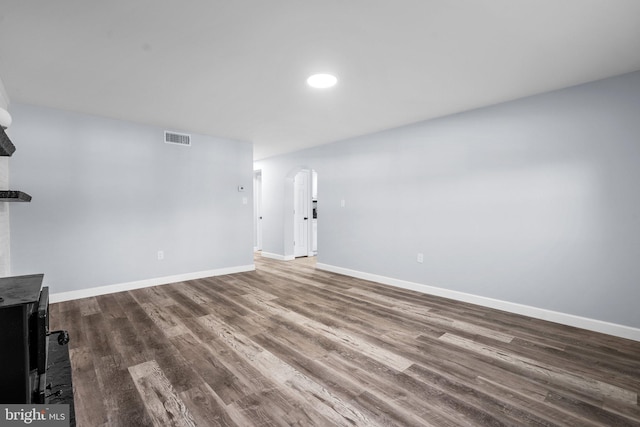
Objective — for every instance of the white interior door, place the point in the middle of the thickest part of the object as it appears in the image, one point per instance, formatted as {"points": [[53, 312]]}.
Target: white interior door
{"points": [[257, 191], [301, 214], [314, 220]]}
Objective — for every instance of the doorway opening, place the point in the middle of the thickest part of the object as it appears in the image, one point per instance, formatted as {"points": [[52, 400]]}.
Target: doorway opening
{"points": [[305, 213], [257, 210]]}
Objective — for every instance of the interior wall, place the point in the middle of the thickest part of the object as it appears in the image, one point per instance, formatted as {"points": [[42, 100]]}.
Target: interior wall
{"points": [[5, 265], [109, 194], [532, 202]]}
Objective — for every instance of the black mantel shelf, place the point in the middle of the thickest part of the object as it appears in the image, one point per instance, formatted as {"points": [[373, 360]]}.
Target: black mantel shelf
{"points": [[14, 196], [6, 146]]}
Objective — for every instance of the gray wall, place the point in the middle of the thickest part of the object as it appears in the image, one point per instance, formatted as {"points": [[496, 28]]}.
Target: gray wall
{"points": [[534, 201], [108, 194]]}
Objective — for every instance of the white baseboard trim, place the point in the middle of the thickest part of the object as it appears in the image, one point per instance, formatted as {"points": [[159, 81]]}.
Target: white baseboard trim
{"points": [[614, 329], [278, 256], [110, 289]]}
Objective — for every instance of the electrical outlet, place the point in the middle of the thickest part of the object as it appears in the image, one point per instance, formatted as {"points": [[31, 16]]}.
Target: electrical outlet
{"points": [[342, 203], [160, 255], [420, 258]]}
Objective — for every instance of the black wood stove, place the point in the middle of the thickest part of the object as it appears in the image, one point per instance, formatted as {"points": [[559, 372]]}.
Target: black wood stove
{"points": [[24, 327]]}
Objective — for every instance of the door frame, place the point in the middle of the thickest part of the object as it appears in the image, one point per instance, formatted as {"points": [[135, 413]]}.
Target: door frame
{"points": [[302, 250], [257, 210]]}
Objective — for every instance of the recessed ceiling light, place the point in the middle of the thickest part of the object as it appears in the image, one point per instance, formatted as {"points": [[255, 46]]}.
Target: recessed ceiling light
{"points": [[322, 81]]}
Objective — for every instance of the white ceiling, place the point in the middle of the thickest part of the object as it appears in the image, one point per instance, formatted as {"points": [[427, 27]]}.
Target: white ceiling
{"points": [[237, 68]]}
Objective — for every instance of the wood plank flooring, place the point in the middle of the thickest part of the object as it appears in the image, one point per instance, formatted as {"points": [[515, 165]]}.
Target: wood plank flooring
{"points": [[292, 345]]}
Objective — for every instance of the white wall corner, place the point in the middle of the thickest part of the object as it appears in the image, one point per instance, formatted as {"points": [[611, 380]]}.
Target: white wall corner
{"points": [[595, 325], [121, 287], [5, 259], [4, 96]]}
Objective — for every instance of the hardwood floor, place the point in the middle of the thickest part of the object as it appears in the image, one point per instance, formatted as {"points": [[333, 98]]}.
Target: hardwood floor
{"points": [[291, 345]]}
